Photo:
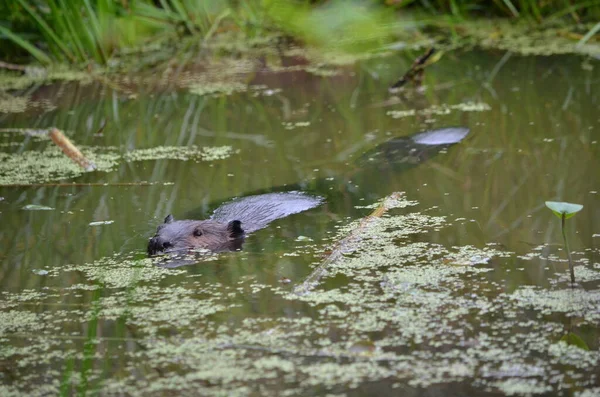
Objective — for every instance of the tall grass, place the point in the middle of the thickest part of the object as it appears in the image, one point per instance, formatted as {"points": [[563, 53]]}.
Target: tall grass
{"points": [[84, 31], [81, 31]]}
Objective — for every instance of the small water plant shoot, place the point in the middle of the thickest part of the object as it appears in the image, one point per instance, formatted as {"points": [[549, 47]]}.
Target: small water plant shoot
{"points": [[564, 211]]}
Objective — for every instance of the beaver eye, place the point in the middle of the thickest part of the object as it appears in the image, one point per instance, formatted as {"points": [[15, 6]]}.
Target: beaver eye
{"points": [[197, 232]]}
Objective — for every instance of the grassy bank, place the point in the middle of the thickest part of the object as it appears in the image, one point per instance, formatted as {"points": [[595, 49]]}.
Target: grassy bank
{"points": [[84, 32]]}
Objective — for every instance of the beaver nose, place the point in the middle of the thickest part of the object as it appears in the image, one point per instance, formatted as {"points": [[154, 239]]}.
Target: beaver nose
{"points": [[156, 245]]}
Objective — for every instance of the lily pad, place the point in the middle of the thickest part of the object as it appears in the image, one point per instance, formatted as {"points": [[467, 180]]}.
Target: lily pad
{"points": [[559, 208], [575, 340]]}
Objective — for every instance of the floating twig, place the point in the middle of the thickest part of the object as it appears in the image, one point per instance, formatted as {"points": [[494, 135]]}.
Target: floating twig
{"points": [[70, 150], [345, 245], [415, 73]]}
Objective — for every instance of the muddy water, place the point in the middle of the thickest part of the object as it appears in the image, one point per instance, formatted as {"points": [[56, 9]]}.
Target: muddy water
{"points": [[460, 290]]}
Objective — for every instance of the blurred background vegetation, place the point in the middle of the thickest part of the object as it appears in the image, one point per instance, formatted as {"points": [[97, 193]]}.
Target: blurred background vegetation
{"points": [[84, 32]]}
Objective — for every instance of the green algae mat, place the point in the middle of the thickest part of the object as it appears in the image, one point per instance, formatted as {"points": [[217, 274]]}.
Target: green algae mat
{"points": [[460, 288]]}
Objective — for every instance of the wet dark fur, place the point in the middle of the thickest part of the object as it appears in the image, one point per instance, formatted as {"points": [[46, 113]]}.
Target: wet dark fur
{"points": [[223, 231], [181, 236]]}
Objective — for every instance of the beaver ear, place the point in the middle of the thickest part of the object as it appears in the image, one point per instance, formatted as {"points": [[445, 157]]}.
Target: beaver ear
{"points": [[169, 218], [235, 229]]}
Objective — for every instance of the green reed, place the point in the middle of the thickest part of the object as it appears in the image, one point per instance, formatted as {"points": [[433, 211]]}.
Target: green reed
{"points": [[84, 31]]}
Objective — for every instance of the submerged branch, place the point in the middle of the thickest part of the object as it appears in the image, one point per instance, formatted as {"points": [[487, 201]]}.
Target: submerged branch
{"points": [[346, 245]]}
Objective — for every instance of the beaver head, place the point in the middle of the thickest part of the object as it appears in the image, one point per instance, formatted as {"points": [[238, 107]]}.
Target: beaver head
{"points": [[180, 236]]}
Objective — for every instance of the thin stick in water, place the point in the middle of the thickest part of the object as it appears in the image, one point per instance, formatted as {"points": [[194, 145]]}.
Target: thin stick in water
{"points": [[70, 150], [345, 245]]}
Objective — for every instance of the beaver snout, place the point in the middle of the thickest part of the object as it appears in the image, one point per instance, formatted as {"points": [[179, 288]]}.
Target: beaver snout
{"points": [[157, 245]]}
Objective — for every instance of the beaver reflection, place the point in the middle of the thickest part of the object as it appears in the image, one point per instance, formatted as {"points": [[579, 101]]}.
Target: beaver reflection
{"points": [[227, 227]]}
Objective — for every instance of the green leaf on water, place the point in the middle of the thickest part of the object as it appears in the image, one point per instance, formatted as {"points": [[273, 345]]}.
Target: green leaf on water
{"points": [[575, 340], [559, 208]]}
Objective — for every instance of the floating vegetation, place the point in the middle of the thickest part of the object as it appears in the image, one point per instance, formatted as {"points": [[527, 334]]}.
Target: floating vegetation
{"points": [[31, 167], [528, 39], [441, 110], [184, 153], [217, 87], [20, 104], [36, 207], [572, 302], [404, 310], [19, 81], [116, 272], [13, 105], [50, 164]]}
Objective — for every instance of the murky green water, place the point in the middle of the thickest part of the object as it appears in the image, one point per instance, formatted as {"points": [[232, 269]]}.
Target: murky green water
{"points": [[461, 291]]}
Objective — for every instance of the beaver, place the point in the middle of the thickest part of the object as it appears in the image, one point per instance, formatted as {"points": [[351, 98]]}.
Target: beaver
{"points": [[229, 224]]}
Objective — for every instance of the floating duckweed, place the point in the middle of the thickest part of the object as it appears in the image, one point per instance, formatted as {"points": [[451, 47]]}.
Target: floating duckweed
{"points": [[13, 81], [36, 207], [396, 306], [573, 355], [441, 110], [180, 153], [118, 273], [583, 273], [520, 387], [13, 105], [526, 39], [274, 363], [216, 153], [217, 87], [50, 164], [18, 321], [574, 302], [591, 392], [351, 374]]}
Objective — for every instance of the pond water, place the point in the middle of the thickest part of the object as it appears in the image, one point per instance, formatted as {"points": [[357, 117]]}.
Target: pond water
{"points": [[461, 289]]}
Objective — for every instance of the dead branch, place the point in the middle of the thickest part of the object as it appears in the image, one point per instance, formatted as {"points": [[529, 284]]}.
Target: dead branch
{"points": [[346, 245], [70, 150]]}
